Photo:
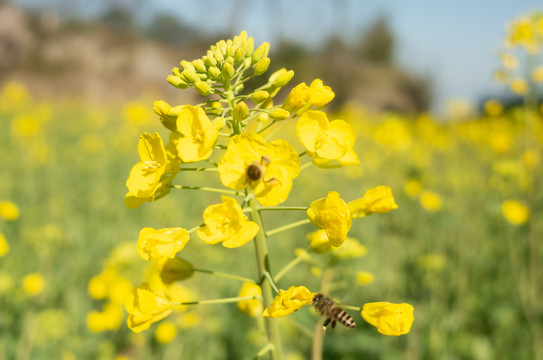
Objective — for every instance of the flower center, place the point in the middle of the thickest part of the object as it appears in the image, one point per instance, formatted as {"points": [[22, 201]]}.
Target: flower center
{"points": [[151, 166]]}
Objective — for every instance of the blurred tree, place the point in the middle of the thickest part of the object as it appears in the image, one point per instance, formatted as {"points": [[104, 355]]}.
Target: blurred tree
{"points": [[169, 30], [378, 42]]}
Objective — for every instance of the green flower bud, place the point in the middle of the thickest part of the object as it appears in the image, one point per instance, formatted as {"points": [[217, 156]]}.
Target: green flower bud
{"points": [[261, 52], [249, 47], [241, 111], [175, 269], [202, 87], [218, 55], [163, 109], [283, 78], [217, 108], [189, 76], [230, 51], [262, 66], [209, 59], [177, 82], [230, 60], [278, 114], [176, 71], [219, 122], [227, 71], [259, 96], [239, 56], [214, 72], [199, 65], [187, 65]]}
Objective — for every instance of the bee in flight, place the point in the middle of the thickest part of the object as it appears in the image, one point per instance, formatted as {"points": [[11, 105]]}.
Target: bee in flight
{"points": [[333, 313]]}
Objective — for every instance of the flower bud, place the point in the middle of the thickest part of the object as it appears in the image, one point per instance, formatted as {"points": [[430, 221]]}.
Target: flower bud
{"points": [[278, 114], [209, 59], [283, 78], [262, 117], [187, 65], [261, 52], [214, 72], [259, 96], [239, 56], [177, 82], [189, 76], [249, 47], [176, 71], [218, 55], [241, 111], [203, 88], [227, 71], [230, 60], [175, 269], [219, 122], [199, 65], [230, 51], [262, 66]]}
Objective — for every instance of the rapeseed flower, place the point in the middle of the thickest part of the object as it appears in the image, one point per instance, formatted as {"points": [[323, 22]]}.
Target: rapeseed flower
{"points": [[515, 212], [195, 135], [109, 319], [4, 245], [289, 301], [364, 278], [431, 201], [226, 223], [331, 214], [302, 97], [146, 307], [326, 141], [376, 200], [164, 243], [250, 307], [165, 332], [146, 177], [33, 284], [389, 318], [266, 168], [9, 211]]}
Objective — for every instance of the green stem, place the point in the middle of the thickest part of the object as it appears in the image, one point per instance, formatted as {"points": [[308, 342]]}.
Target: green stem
{"points": [[190, 231], [266, 127], [225, 275], [267, 348], [272, 283], [306, 165], [203, 188], [263, 263], [290, 265], [217, 301], [287, 227]]}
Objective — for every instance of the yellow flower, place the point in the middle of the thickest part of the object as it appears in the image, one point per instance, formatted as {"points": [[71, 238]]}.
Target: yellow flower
{"points": [[165, 332], [289, 301], [537, 74], [519, 86], [163, 243], [364, 278], [412, 188], [33, 284], [108, 319], [388, 318], [268, 169], [350, 249], [132, 201], [4, 245], [250, 307], [146, 307], [376, 200], [326, 141], [146, 176], [515, 212], [331, 214], [195, 136], [493, 107], [303, 97], [431, 201], [9, 211], [226, 223]]}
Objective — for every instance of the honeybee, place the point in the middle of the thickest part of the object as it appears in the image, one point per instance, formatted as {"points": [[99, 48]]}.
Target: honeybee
{"points": [[333, 313]]}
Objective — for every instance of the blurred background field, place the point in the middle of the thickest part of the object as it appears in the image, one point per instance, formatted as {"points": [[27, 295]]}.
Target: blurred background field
{"points": [[464, 246]]}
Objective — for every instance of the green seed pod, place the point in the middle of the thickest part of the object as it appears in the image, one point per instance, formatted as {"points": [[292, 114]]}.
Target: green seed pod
{"points": [[177, 82], [214, 72], [261, 52], [199, 65], [283, 78], [202, 87], [262, 66], [259, 96], [278, 114], [187, 65], [189, 76], [241, 111], [227, 71]]}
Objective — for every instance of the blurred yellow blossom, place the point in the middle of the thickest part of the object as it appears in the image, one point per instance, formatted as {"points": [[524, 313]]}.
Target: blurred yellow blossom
{"points": [[376, 200], [33, 284], [331, 214], [137, 113], [364, 278], [537, 74], [316, 271], [515, 212], [146, 307], [289, 301], [519, 86], [165, 332], [318, 242], [412, 188], [9, 211], [350, 249], [4, 245], [6, 283], [432, 262], [109, 319], [501, 142], [393, 134], [268, 169], [226, 223], [250, 307], [430, 201], [531, 158], [14, 95], [509, 61], [162, 243], [493, 107], [389, 318]]}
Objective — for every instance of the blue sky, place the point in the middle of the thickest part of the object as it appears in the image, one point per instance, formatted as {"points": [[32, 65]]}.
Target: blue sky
{"points": [[454, 42]]}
